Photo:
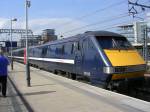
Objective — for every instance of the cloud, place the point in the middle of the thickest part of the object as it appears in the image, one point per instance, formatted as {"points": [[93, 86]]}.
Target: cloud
{"points": [[61, 25], [4, 22]]}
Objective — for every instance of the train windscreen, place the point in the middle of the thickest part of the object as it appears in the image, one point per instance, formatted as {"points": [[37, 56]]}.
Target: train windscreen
{"points": [[114, 43]]}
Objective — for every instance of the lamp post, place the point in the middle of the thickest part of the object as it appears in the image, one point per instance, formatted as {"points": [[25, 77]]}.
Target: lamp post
{"points": [[27, 5], [11, 41]]}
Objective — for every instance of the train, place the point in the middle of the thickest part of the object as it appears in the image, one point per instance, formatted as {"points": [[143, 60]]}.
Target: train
{"points": [[104, 58]]}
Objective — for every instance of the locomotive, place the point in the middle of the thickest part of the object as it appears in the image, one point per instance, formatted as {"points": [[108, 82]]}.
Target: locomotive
{"points": [[105, 58]]}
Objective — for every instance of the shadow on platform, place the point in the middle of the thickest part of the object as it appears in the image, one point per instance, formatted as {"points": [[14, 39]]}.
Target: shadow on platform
{"points": [[29, 94], [42, 85], [38, 93], [16, 71]]}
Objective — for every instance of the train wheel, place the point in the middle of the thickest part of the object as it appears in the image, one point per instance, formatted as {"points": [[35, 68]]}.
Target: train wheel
{"points": [[55, 72], [110, 86], [73, 76]]}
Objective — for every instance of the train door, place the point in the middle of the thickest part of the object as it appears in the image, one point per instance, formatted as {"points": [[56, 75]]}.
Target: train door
{"points": [[86, 58], [78, 58], [90, 61]]}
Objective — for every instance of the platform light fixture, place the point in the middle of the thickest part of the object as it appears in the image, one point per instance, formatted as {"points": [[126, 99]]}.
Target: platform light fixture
{"points": [[27, 5], [11, 22]]}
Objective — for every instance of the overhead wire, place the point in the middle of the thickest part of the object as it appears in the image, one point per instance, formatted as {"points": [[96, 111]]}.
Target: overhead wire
{"points": [[99, 22], [92, 13], [112, 26]]}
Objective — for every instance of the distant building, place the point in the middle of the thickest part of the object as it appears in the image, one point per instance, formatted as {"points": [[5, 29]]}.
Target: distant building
{"points": [[134, 32], [48, 35], [32, 40]]}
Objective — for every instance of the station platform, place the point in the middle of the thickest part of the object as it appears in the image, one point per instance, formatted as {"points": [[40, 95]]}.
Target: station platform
{"points": [[53, 93], [11, 103]]}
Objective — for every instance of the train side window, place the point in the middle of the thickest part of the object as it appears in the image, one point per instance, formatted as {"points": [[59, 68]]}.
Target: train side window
{"points": [[74, 44], [49, 50], [60, 49], [77, 45], [57, 50], [72, 48], [21, 53], [53, 50], [68, 49], [33, 52], [44, 50], [63, 48]]}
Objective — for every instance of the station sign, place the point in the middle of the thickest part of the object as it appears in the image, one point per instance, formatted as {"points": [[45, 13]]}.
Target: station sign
{"points": [[8, 44]]}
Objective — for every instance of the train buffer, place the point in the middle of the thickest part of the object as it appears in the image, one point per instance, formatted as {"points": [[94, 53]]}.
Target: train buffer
{"points": [[54, 93]]}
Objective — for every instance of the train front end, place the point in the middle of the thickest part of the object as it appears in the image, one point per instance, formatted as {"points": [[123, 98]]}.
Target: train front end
{"points": [[126, 62]]}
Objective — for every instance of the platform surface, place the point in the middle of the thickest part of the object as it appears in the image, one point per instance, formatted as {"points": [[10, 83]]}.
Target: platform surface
{"points": [[11, 103], [53, 93]]}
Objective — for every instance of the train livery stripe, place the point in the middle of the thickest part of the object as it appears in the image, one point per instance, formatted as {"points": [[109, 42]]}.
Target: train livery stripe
{"points": [[68, 61]]}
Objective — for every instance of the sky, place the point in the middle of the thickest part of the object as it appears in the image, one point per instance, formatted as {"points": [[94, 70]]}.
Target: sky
{"points": [[68, 17]]}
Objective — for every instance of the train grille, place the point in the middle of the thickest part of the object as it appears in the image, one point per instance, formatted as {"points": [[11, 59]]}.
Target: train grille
{"points": [[127, 69]]}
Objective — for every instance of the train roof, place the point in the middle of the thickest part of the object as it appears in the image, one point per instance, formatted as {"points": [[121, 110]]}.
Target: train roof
{"points": [[76, 37], [93, 33], [102, 33]]}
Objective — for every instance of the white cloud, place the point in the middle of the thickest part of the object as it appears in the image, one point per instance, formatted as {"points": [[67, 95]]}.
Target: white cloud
{"points": [[4, 22], [61, 25]]}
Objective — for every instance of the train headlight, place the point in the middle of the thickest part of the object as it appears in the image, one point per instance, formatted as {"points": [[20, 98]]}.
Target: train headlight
{"points": [[108, 70], [124, 69]]}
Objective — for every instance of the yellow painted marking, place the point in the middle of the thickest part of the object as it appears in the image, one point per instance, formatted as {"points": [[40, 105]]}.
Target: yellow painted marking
{"points": [[124, 57], [128, 75]]}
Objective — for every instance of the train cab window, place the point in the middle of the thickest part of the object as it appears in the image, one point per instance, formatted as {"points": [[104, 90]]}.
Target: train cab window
{"points": [[122, 43], [114, 42], [105, 42]]}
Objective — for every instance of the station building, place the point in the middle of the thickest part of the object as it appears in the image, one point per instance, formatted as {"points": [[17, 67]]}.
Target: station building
{"points": [[33, 40], [135, 34]]}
